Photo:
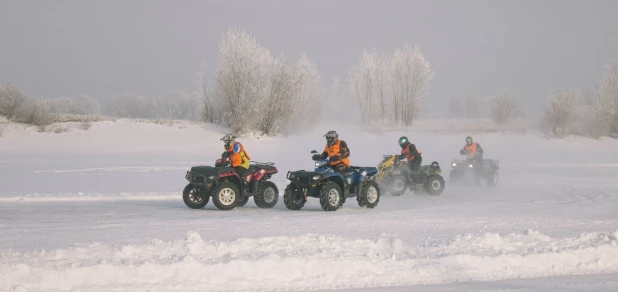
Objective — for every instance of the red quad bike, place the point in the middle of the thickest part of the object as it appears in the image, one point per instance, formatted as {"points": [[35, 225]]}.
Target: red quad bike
{"points": [[227, 189]]}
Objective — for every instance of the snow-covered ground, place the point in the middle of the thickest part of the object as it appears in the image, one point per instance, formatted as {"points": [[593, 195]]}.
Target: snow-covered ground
{"points": [[101, 210]]}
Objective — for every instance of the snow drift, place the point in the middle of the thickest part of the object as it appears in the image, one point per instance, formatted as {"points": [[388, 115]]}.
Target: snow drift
{"points": [[305, 262]]}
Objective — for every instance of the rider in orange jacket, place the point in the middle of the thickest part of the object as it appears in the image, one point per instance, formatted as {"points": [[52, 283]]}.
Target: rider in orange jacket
{"points": [[336, 151]]}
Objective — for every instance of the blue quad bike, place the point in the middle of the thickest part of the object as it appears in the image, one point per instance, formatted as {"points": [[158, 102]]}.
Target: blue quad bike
{"points": [[331, 187]]}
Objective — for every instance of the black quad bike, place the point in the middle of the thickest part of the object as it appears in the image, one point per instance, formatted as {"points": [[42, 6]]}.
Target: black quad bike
{"points": [[331, 187], [227, 189], [475, 170]]}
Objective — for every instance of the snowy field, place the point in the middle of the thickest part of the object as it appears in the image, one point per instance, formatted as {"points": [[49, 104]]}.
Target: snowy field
{"points": [[101, 210]]}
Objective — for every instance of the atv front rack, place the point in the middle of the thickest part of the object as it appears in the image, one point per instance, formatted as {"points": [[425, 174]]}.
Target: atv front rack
{"points": [[261, 163]]}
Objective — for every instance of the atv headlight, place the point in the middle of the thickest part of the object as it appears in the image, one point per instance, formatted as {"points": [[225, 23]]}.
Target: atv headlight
{"points": [[320, 163], [211, 177], [454, 164], [470, 166], [316, 177]]}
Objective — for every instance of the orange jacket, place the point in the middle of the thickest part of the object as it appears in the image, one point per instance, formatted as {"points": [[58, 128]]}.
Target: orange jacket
{"points": [[238, 155], [336, 150]]}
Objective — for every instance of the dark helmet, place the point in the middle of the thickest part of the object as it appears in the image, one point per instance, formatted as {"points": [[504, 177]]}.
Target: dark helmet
{"points": [[331, 138], [403, 140], [228, 139], [469, 140]]}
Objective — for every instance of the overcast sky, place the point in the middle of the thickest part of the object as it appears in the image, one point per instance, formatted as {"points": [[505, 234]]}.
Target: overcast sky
{"points": [[99, 48]]}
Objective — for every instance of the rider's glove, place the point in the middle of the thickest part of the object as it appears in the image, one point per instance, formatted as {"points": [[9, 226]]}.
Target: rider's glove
{"points": [[317, 157], [462, 152], [225, 154], [334, 158]]}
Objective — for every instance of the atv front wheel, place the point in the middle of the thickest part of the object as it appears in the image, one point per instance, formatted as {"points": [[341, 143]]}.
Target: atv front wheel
{"points": [[267, 196], [397, 186], [454, 176], [225, 196], [331, 197], [370, 195], [434, 185], [194, 198], [492, 179], [293, 198]]}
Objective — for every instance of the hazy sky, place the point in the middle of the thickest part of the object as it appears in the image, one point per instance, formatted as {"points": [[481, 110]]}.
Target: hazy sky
{"points": [[99, 48]]}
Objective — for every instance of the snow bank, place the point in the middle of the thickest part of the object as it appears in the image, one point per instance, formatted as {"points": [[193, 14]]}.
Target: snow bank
{"points": [[305, 262]]}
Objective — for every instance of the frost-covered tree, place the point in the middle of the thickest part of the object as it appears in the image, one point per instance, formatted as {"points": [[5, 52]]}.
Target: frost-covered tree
{"points": [[391, 88], [590, 121], [207, 106], [254, 91], [80, 105], [11, 101], [35, 112], [609, 97], [503, 108], [560, 112], [456, 108], [178, 106], [240, 78], [306, 94], [410, 77], [368, 84], [128, 105]]}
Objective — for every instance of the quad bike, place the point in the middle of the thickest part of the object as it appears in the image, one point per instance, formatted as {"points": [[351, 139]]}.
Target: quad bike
{"points": [[227, 189], [477, 170], [395, 176], [331, 187]]}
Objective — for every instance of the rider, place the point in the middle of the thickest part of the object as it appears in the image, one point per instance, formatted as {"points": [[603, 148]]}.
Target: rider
{"points": [[412, 155], [472, 150], [237, 154], [337, 152]]}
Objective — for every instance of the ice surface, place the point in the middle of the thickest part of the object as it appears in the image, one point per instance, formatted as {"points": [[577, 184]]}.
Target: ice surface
{"points": [[101, 210]]}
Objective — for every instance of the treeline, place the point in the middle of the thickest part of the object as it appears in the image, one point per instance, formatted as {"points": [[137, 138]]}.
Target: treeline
{"points": [[589, 113], [253, 90], [16, 106]]}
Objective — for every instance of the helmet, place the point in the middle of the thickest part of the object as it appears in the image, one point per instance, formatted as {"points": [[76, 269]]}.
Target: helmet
{"points": [[403, 140], [469, 140], [331, 138], [228, 139]]}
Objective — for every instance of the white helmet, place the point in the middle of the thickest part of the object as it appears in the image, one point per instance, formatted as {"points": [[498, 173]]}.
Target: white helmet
{"points": [[229, 140]]}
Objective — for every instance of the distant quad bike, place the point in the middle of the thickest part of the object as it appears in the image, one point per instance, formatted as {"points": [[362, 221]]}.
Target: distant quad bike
{"points": [[475, 170], [395, 176], [226, 188], [331, 187]]}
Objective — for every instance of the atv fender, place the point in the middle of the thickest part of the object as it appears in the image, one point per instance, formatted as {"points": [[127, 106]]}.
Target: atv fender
{"points": [[336, 178]]}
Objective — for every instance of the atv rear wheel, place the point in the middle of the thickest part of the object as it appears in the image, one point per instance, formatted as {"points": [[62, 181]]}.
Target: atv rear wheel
{"points": [[225, 196], [194, 198], [492, 179], [397, 186], [293, 198], [331, 196], [370, 195], [267, 195], [434, 185]]}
